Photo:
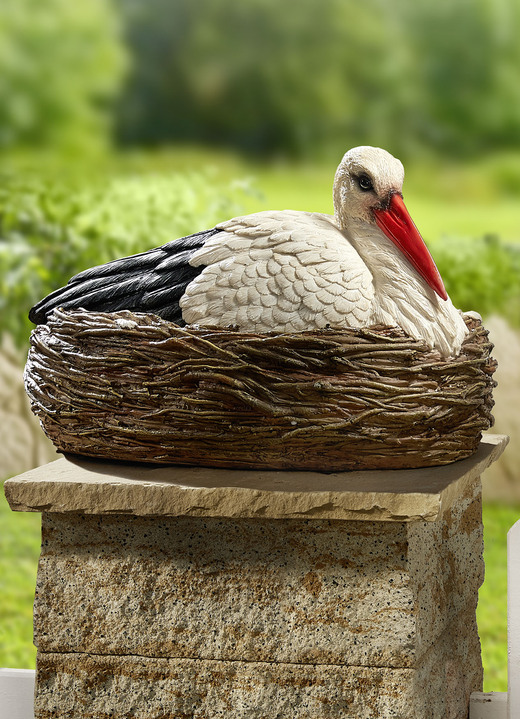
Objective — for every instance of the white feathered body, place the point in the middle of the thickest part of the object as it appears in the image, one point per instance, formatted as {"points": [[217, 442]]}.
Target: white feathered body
{"points": [[291, 271]]}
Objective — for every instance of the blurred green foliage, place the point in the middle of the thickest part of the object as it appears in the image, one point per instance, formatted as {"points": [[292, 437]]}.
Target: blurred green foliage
{"points": [[300, 76], [61, 64], [481, 274], [295, 78], [19, 551], [56, 224]]}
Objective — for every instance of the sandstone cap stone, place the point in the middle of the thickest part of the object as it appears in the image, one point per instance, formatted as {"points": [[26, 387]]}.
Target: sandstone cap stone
{"points": [[73, 484]]}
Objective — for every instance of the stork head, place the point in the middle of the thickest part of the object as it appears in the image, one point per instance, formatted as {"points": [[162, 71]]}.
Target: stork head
{"points": [[368, 188]]}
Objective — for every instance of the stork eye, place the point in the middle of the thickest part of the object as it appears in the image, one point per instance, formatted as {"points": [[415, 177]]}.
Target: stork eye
{"points": [[365, 183]]}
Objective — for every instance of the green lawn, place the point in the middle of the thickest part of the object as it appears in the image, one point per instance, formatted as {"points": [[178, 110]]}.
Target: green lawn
{"points": [[445, 200], [460, 200], [492, 608], [20, 545], [436, 217], [19, 550]]}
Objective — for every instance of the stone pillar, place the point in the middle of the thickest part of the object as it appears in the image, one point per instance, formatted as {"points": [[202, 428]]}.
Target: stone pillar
{"points": [[185, 592]]}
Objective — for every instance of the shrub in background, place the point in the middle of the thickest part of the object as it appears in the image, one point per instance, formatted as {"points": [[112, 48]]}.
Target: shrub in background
{"points": [[52, 228], [57, 224], [481, 274], [300, 76], [61, 66]]}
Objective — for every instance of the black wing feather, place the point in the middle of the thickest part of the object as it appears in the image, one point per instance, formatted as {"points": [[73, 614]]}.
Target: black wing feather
{"points": [[152, 281]]}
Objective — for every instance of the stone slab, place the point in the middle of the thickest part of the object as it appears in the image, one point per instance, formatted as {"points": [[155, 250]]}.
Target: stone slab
{"points": [[91, 487], [297, 591], [89, 686]]}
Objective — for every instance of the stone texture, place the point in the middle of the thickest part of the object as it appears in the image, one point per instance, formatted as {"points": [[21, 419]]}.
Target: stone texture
{"points": [[297, 591], [83, 686], [91, 487], [253, 590], [446, 564], [170, 593]]}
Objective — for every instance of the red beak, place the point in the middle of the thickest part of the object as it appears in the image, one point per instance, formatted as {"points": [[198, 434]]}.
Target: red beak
{"points": [[397, 224]]}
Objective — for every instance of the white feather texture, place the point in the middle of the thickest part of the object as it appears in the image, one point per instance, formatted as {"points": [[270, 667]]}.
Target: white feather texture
{"points": [[403, 298], [299, 273], [293, 271]]}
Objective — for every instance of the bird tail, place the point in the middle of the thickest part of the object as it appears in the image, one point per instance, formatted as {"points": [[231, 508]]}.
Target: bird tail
{"points": [[151, 281]]}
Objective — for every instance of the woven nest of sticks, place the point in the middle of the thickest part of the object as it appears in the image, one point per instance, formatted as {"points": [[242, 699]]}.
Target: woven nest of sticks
{"points": [[135, 387]]}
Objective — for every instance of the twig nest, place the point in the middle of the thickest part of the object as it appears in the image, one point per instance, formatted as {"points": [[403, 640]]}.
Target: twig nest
{"points": [[135, 387]]}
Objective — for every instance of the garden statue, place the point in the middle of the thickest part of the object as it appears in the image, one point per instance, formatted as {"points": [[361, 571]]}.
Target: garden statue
{"points": [[290, 271], [278, 340]]}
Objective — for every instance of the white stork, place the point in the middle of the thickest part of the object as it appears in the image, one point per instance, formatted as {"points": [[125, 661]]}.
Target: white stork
{"points": [[290, 271]]}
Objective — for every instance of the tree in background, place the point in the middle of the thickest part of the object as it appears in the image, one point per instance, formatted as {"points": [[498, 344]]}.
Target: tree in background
{"points": [[269, 76], [260, 75], [295, 77], [464, 66], [61, 64]]}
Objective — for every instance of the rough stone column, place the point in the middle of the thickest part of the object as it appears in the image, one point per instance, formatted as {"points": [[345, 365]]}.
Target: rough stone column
{"points": [[184, 592]]}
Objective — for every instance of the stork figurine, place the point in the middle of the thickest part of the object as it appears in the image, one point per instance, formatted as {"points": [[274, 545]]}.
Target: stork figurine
{"points": [[290, 271]]}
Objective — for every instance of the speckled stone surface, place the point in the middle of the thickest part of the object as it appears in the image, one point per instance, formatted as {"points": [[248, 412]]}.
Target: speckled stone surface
{"points": [[257, 602], [316, 591], [83, 686], [96, 687]]}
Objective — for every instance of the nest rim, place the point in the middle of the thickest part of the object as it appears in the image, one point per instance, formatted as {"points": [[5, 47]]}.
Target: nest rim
{"points": [[87, 373]]}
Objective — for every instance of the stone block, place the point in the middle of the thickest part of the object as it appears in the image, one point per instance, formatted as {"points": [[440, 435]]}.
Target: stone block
{"points": [[88, 686], [168, 593], [296, 591], [72, 484]]}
